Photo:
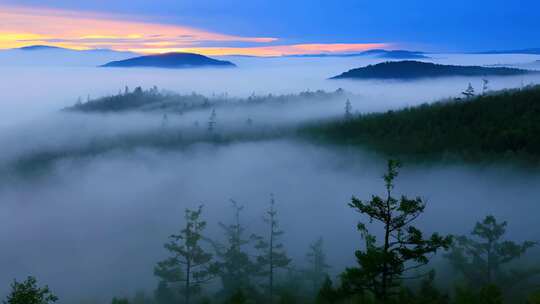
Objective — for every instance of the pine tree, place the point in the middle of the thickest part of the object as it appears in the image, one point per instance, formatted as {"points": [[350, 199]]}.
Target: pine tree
{"points": [[469, 92], [28, 292], [348, 110], [404, 247], [485, 87], [481, 259], [212, 121], [235, 265], [189, 263], [273, 255], [317, 271]]}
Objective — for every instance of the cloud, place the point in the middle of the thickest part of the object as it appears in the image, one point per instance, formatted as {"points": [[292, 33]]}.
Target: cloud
{"points": [[23, 26]]}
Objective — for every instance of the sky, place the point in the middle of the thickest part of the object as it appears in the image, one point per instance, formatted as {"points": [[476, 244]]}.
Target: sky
{"points": [[271, 28]]}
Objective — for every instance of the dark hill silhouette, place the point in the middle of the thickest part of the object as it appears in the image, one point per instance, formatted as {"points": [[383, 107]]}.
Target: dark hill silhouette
{"points": [[416, 69], [170, 60]]}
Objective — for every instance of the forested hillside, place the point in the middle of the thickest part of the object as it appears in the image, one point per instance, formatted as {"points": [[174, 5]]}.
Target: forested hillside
{"points": [[493, 125]]}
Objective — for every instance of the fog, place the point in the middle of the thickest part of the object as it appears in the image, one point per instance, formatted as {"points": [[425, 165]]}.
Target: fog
{"points": [[92, 227]]}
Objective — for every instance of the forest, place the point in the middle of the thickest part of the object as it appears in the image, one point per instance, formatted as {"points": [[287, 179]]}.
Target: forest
{"points": [[498, 125], [395, 262]]}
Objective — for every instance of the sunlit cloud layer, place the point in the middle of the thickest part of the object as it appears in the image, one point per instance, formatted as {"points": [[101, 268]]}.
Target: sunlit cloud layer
{"points": [[23, 26]]}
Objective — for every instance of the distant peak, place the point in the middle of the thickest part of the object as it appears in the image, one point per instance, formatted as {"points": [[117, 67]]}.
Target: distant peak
{"points": [[40, 47]]}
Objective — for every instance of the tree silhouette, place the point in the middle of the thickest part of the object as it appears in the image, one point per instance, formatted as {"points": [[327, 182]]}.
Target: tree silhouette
{"points": [[404, 247], [469, 92], [189, 263], [235, 266], [212, 121], [348, 110], [273, 255], [318, 266], [481, 259], [28, 292]]}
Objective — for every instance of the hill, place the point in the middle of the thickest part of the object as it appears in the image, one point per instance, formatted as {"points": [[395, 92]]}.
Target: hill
{"points": [[379, 53], [415, 69], [170, 60], [45, 55], [532, 51], [506, 124]]}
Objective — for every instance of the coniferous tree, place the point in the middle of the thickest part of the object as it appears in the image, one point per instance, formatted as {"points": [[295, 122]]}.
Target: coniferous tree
{"points": [[485, 87], [272, 253], [481, 259], [469, 92], [164, 294], [348, 110], [28, 292], [212, 121], [189, 265], [318, 266], [235, 266], [403, 247]]}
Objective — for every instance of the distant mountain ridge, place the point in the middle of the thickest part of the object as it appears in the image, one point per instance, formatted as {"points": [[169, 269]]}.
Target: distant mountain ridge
{"points": [[531, 51], [379, 53], [409, 69], [170, 60]]}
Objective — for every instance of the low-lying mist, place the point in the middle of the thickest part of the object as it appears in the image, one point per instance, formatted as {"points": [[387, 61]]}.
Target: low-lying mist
{"points": [[93, 226]]}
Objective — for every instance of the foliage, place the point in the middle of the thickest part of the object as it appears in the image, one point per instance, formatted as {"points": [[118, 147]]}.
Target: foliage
{"points": [[482, 257], [272, 254], [27, 292], [235, 267], [404, 247], [318, 266], [189, 263], [501, 125]]}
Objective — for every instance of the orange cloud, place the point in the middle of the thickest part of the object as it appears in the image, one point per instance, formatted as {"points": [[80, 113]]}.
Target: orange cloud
{"points": [[272, 50], [23, 26]]}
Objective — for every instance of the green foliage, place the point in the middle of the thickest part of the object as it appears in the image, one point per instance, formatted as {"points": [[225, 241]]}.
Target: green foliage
{"points": [[189, 262], [489, 294], [502, 125], [120, 301], [327, 293], [164, 294], [318, 266], [28, 292], [236, 298], [482, 257], [404, 247], [235, 267], [534, 298], [272, 254]]}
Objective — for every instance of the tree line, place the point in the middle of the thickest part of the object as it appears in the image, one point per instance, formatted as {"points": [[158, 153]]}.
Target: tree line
{"points": [[255, 268]]}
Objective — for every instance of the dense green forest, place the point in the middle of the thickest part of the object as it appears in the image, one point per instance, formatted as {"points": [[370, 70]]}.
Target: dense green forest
{"points": [[409, 69], [155, 100], [499, 125], [243, 267]]}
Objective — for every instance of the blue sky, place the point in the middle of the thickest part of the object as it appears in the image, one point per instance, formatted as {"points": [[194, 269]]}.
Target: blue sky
{"points": [[458, 25]]}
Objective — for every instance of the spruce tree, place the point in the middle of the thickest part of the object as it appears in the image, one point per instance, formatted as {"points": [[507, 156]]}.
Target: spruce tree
{"points": [[318, 266], [28, 292], [272, 253], [348, 110], [235, 265], [189, 264], [482, 258], [382, 265]]}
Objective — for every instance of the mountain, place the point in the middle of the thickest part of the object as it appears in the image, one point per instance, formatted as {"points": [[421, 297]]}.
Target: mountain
{"points": [[502, 124], [379, 53], [170, 60], [45, 55], [416, 69], [40, 48], [532, 51]]}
